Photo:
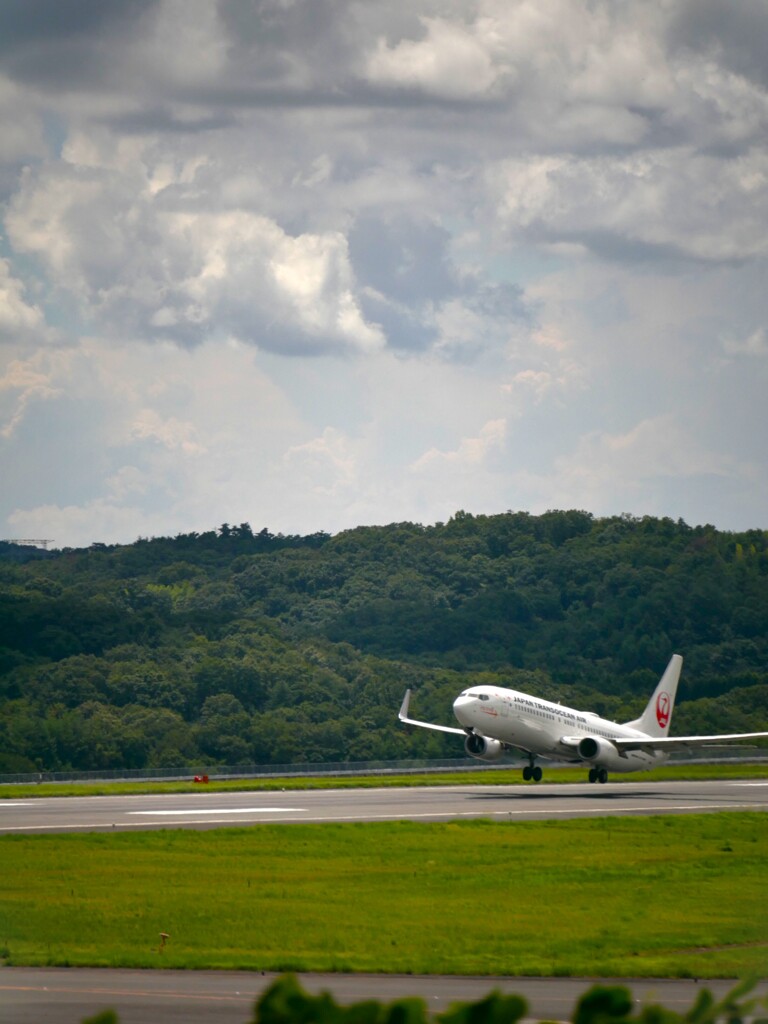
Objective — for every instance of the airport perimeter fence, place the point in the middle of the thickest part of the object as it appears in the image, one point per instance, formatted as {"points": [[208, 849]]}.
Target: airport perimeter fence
{"points": [[251, 771], [215, 772]]}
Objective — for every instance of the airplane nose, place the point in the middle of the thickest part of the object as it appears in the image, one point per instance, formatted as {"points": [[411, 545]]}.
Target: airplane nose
{"points": [[461, 706]]}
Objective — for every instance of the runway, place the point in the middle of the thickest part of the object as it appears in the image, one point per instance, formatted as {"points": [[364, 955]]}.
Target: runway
{"points": [[210, 809], [62, 996]]}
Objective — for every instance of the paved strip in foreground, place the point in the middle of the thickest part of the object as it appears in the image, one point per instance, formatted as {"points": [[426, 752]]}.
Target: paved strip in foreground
{"points": [[67, 995]]}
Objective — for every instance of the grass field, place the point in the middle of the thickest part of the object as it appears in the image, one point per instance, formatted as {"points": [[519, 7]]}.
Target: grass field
{"points": [[497, 777], [662, 896]]}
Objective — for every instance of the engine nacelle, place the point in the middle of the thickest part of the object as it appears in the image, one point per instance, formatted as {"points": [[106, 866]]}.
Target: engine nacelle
{"points": [[483, 748], [600, 752]]}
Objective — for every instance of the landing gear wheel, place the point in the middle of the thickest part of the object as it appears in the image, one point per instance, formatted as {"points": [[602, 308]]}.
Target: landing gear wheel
{"points": [[593, 774], [527, 773], [536, 774], [602, 775]]}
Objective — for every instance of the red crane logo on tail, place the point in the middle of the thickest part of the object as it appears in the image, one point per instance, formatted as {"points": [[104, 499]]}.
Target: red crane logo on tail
{"points": [[663, 709]]}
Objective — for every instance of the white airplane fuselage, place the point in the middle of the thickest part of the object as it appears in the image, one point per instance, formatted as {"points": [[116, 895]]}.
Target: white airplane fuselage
{"points": [[495, 720], [548, 730]]}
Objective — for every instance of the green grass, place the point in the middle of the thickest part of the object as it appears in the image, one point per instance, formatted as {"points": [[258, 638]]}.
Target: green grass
{"points": [[498, 777], [656, 896]]}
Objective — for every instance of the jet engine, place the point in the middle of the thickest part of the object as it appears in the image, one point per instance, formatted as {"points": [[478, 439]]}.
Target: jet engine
{"points": [[599, 751], [483, 748]]}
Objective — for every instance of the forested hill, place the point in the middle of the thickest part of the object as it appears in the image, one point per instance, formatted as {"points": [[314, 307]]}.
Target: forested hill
{"points": [[240, 647]]}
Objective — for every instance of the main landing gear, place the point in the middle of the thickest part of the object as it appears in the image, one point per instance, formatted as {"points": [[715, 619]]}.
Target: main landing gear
{"points": [[532, 772], [598, 775]]}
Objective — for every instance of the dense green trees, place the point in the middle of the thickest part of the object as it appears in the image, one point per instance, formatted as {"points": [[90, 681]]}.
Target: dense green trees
{"points": [[243, 646]]}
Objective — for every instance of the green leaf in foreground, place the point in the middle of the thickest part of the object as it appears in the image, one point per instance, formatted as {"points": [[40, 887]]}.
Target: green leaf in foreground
{"points": [[286, 1002]]}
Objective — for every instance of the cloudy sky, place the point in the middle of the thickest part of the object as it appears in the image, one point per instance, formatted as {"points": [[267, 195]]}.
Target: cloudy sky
{"points": [[313, 264]]}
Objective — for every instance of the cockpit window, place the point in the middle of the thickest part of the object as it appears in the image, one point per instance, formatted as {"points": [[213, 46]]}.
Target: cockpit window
{"points": [[480, 696]]}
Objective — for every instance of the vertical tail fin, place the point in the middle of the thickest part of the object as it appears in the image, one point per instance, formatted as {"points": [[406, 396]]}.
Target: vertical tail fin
{"points": [[656, 718]]}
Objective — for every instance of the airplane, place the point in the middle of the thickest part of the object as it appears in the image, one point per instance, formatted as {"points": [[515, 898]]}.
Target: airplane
{"points": [[495, 720]]}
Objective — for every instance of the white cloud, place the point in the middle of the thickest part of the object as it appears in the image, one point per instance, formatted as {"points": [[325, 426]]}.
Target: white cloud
{"points": [[451, 61], [755, 344], [98, 521], [19, 321], [325, 466], [185, 44], [313, 265], [472, 452], [143, 270], [698, 205], [185, 439], [461, 329], [645, 470], [21, 125], [656, 447], [25, 383], [471, 476], [172, 433], [539, 382]]}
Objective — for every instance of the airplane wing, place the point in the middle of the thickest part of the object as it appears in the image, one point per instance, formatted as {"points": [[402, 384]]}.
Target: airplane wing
{"points": [[403, 716], [685, 742]]}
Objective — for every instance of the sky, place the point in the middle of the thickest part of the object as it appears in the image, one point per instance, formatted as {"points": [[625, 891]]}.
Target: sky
{"points": [[317, 264]]}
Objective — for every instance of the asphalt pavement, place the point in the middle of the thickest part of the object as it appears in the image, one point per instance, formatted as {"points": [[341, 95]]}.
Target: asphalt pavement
{"points": [[524, 802]]}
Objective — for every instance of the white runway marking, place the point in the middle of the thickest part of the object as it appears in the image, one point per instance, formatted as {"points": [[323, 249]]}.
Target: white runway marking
{"points": [[506, 813], [228, 810], [509, 814]]}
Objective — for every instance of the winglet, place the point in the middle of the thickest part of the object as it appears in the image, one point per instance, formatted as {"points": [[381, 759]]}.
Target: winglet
{"points": [[403, 713], [404, 717]]}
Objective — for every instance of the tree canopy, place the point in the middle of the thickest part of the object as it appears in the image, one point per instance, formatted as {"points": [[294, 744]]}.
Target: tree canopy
{"points": [[242, 646]]}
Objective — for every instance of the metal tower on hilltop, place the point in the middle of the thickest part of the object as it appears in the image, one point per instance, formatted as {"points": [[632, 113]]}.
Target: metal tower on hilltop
{"points": [[29, 543]]}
